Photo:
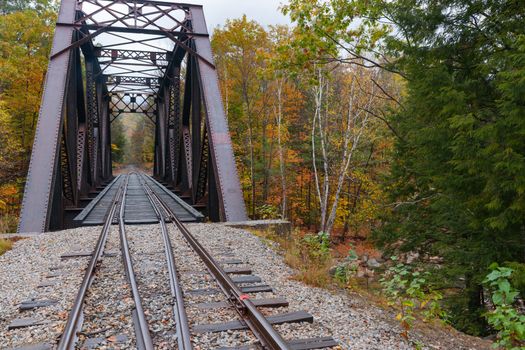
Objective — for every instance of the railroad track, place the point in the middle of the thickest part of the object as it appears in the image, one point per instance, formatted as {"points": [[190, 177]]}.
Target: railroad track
{"points": [[235, 285]]}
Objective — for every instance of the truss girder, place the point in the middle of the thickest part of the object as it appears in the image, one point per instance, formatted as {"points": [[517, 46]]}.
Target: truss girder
{"points": [[131, 80], [150, 56], [108, 60]]}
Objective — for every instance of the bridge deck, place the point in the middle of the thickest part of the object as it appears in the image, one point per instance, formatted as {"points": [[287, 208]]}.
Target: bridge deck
{"points": [[138, 209]]}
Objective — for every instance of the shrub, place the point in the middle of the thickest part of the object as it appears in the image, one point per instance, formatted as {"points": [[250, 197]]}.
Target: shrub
{"points": [[345, 271], [309, 254], [505, 319], [316, 248], [267, 211], [517, 279], [409, 291]]}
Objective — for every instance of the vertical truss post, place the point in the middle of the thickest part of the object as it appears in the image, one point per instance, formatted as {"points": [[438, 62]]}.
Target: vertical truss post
{"points": [[156, 155], [174, 124], [68, 161], [105, 142], [100, 129], [196, 120], [42, 175], [162, 134], [92, 119], [200, 188], [82, 170], [185, 153]]}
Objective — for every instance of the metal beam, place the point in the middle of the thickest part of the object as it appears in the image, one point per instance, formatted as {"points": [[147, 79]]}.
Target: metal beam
{"points": [[115, 54], [228, 185], [131, 80], [130, 30], [40, 185]]}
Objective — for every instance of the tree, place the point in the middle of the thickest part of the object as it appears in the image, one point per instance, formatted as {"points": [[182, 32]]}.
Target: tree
{"points": [[42, 6], [25, 42], [140, 149], [238, 52], [119, 142], [10, 150], [338, 129], [287, 100], [457, 180]]}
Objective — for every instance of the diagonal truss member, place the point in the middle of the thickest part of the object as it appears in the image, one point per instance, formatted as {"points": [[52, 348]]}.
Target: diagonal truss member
{"points": [[110, 58]]}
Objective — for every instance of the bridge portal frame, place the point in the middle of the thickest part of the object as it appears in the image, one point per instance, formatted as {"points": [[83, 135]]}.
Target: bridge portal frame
{"points": [[89, 85]]}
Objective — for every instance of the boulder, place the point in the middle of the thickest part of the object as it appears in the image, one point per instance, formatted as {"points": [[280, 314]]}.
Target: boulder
{"points": [[373, 263]]}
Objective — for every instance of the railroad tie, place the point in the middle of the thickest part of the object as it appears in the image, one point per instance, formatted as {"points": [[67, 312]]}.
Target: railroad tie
{"points": [[289, 317]]}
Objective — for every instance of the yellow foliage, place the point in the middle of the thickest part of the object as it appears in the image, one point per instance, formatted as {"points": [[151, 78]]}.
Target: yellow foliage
{"points": [[5, 245]]}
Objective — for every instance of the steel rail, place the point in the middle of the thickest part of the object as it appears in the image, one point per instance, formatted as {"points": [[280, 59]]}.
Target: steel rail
{"points": [[253, 318], [69, 336], [141, 326], [179, 311]]}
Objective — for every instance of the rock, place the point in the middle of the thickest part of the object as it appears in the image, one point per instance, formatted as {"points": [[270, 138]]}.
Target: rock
{"points": [[435, 260], [93, 343], [333, 270], [373, 263], [411, 257]]}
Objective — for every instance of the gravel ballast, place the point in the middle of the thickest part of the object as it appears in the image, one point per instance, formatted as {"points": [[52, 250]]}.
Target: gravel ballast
{"points": [[350, 319]]}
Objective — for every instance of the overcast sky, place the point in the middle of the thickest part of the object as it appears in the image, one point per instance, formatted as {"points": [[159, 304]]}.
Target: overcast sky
{"points": [[265, 12]]}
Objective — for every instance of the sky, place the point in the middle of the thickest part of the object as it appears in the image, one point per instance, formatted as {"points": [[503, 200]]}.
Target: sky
{"points": [[266, 12]]}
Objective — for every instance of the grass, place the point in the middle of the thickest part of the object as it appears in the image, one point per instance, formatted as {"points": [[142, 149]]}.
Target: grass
{"points": [[8, 223], [312, 264], [5, 245], [314, 269]]}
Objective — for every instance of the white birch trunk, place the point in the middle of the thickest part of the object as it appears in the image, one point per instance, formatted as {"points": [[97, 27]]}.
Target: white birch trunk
{"points": [[318, 91], [281, 149], [353, 136]]}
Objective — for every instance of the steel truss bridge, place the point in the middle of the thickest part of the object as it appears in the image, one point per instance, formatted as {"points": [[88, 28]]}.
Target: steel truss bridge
{"points": [[110, 58]]}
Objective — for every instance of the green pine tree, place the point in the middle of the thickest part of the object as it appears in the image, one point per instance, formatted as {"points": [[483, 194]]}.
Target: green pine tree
{"points": [[457, 182]]}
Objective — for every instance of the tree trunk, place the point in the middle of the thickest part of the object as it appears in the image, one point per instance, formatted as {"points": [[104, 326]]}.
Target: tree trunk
{"points": [[318, 119], [281, 150]]}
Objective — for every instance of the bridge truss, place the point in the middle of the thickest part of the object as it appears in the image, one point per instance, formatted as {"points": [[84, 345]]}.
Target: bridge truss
{"points": [[110, 58]]}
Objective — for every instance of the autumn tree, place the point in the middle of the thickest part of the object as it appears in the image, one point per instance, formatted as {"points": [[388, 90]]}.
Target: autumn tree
{"points": [[119, 141], [41, 6], [456, 184], [140, 148], [25, 41], [286, 100], [238, 50]]}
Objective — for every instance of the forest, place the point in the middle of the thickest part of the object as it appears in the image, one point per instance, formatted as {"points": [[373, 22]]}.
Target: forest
{"points": [[397, 125]]}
